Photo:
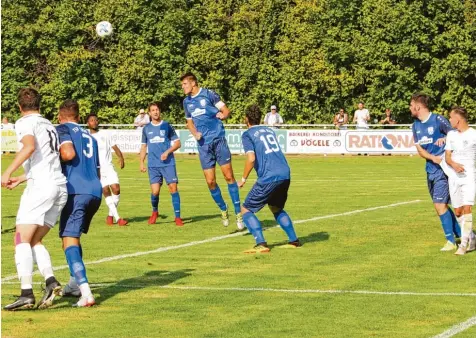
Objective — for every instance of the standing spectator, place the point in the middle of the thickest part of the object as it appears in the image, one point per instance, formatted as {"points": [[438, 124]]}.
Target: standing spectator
{"points": [[141, 120], [7, 125], [387, 119], [273, 118], [341, 119], [361, 117]]}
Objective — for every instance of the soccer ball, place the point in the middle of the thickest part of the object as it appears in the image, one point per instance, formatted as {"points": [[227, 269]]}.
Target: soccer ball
{"points": [[104, 28]]}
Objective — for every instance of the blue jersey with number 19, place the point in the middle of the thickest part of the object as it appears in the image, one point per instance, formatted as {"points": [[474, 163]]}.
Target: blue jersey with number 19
{"points": [[270, 163], [82, 171]]}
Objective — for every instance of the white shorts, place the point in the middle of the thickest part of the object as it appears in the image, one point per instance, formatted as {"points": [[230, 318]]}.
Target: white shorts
{"points": [[462, 192], [42, 204], [108, 176]]}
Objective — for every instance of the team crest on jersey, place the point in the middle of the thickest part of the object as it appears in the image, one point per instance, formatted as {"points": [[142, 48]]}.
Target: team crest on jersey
{"points": [[203, 102], [431, 130], [162, 133]]}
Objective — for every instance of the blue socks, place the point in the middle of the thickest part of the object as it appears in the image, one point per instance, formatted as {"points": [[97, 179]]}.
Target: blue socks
{"points": [[218, 198], [154, 200], [456, 226], [176, 203], [76, 265], [81, 254], [447, 224], [254, 227], [235, 196], [286, 224]]}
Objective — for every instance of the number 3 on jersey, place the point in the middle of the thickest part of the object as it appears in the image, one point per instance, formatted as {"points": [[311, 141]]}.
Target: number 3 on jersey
{"points": [[89, 146], [270, 143]]}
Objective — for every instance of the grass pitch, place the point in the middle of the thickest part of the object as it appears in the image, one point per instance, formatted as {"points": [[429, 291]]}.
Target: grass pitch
{"points": [[371, 273]]}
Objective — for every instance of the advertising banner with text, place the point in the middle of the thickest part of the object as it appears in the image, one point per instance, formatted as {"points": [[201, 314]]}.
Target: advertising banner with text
{"points": [[295, 141]]}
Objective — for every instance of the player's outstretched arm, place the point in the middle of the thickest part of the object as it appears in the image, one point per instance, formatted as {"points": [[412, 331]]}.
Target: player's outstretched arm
{"points": [[191, 127], [224, 113], [24, 154], [249, 164], [119, 154]]}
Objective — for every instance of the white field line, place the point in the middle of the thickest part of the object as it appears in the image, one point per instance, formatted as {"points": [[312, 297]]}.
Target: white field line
{"points": [[251, 289], [214, 239], [454, 330]]}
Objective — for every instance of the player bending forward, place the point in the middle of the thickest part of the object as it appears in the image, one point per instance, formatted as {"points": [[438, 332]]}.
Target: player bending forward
{"points": [[161, 140], [461, 156], [42, 200], [109, 178], [264, 153], [79, 152], [204, 111]]}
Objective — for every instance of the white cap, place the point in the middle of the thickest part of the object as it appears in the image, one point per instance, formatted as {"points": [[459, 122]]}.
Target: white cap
{"points": [[142, 111], [273, 107]]}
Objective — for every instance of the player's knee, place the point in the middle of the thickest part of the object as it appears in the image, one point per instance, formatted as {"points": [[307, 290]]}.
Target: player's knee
{"points": [[106, 192], [244, 210], [459, 212], [212, 184], [116, 189], [274, 209], [172, 188], [467, 209]]}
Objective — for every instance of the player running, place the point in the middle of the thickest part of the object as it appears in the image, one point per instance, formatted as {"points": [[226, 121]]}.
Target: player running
{"points": [[160, 140], [429, 131], [204, 111], [42, 200], [79, 152], [274, 177], [109, 178], [461, 156]]}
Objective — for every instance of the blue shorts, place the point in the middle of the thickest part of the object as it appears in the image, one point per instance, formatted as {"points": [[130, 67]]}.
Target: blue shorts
{"points": [[217, 151], [274, 194], [77, 215], [157, 174], [438, 187]]}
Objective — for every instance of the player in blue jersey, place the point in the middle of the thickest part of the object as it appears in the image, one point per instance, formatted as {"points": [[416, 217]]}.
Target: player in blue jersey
{"points": [[429, 133], [79, 152], [274, 177], [204, 111], [160, 140]]}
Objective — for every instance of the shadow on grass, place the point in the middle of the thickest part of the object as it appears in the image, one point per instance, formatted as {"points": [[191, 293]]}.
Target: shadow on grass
{"points": [[311, 238], [104, 291]]}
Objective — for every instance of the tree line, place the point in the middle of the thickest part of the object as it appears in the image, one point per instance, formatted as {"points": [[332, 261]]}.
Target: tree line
{"points": [[309, 58]]}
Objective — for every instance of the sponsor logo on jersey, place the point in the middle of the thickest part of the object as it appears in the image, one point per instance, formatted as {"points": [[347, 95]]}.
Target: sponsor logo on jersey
{"points": [[425, 140], [157, 139], [198, 112]]}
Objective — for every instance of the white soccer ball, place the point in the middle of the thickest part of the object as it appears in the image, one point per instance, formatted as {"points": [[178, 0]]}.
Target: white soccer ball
{"points": [[104, 28]]}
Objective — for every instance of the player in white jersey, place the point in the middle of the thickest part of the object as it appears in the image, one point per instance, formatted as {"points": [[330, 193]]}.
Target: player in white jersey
{"points": [[42, 201], [460, 154], [109, 178]]}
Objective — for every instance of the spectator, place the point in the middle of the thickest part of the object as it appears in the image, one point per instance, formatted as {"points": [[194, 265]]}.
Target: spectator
{"points": [[387, 119], [361, 117], [141, 120], [7, 125], [273, 118], [341, 119]]}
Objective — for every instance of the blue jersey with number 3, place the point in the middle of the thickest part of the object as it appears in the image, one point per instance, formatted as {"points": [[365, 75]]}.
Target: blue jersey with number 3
{"points": [[270, 163], [82, 171]]}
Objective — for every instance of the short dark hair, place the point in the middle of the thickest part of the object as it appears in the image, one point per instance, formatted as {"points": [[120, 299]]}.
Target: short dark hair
{"points": [[460, 111], [190, 76], [422, 99], [157, 104], [91, 115], [69, 108], [29, 99], [253, 113]]}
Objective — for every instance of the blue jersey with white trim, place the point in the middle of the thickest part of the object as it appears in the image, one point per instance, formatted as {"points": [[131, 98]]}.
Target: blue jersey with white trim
{"points": [[270, 163], [202, 109], [82, 171], [426, 133], [158, 138]]}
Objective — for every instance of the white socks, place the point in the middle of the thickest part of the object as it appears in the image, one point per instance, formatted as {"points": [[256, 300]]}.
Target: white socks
{"points": [[466, 229], [116, 199], [24, 262], [112, 207], [85, 290], [42, 258]]}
